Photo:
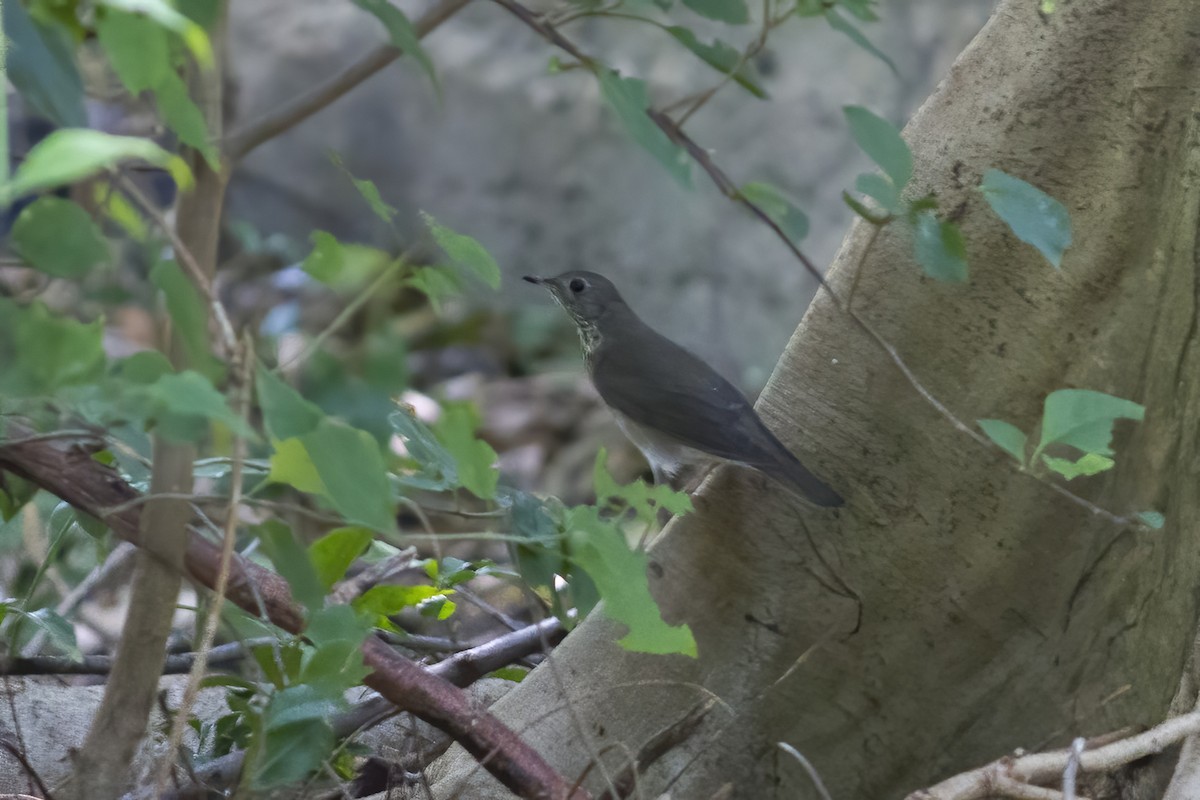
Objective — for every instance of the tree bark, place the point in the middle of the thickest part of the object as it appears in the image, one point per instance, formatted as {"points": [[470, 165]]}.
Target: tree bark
{"points": [[994, 613]]}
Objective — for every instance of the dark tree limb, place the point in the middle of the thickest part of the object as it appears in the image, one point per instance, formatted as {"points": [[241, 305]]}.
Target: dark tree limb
{"points": [[67, 470]]}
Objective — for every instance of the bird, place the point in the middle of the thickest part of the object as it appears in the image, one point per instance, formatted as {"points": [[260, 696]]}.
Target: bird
{"points": [[673, 406]]}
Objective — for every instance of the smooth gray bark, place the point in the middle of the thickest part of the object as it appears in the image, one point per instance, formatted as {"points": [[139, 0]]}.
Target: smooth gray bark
{"points": [[994, 613]]}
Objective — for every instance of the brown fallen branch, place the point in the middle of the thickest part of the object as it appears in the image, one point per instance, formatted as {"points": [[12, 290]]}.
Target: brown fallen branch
{"points": [[67, 470], [1024, 776], [462, 669]]}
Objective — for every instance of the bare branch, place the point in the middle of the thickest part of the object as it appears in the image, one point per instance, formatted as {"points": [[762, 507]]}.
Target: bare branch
{"points": [[1041, 768], [298, 109]]}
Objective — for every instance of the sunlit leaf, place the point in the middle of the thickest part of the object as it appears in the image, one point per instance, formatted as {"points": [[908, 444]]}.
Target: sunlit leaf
{"points": [[71, 154], [162, 12], [1088, 464], [334, 552], [291, 465]]}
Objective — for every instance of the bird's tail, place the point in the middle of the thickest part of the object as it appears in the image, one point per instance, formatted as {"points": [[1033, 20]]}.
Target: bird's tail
{"points": [[797, 477]]}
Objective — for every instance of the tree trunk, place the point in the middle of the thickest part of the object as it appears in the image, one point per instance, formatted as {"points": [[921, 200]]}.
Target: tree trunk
{"points": [[995, 614]]}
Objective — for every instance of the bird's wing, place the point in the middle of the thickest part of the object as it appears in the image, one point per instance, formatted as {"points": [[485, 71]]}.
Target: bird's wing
{"points": [[660, 385]]}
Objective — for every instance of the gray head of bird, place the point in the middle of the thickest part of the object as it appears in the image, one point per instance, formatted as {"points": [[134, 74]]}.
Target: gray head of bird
{"points": [[586, 296]]}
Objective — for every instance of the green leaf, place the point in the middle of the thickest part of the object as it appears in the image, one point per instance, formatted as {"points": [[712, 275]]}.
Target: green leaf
{"points": [[290, 752], [880, 189], [1035, 217], [541, 557], [41, 65], [1084, 419], [779, 208], [436, 283], [342, 265], [1009, 437], [1152, 519], [351, 467], [733, 12], [291, 465], [941, 250], [189, 312], [182, 400], [41, 352], [880, 140], [292, 562], [843, 25], [864, 212], [335, 661], [465, 252], [628, 98], [59, 631], [185, 118], [71, 154], [136, 47], [721, 57], [620, 575], [285, 413], [644, 500], [334, 552], [368, 190], [162, 12], [389, 599], [474, 459], [401, 33], [1088, 464], [59, 238], [439, 469]]}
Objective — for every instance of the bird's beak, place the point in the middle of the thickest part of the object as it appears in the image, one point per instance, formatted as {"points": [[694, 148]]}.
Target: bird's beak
{"points": [[534, 279]]}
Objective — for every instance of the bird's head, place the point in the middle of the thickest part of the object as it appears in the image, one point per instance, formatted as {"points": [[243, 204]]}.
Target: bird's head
{"points": [[586, 296]]}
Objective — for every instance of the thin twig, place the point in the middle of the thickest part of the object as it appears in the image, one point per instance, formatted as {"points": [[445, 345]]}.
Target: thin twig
{"points": [[175, 663], [298, 109], [344, 315], [188, 261], [182, 715]]}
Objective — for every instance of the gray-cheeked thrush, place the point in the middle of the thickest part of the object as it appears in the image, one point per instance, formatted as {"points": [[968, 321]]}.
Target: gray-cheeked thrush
{"points": [[674, 407]]}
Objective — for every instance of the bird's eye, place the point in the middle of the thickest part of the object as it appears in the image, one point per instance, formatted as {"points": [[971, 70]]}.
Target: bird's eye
{"points": [[577, 285]]}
